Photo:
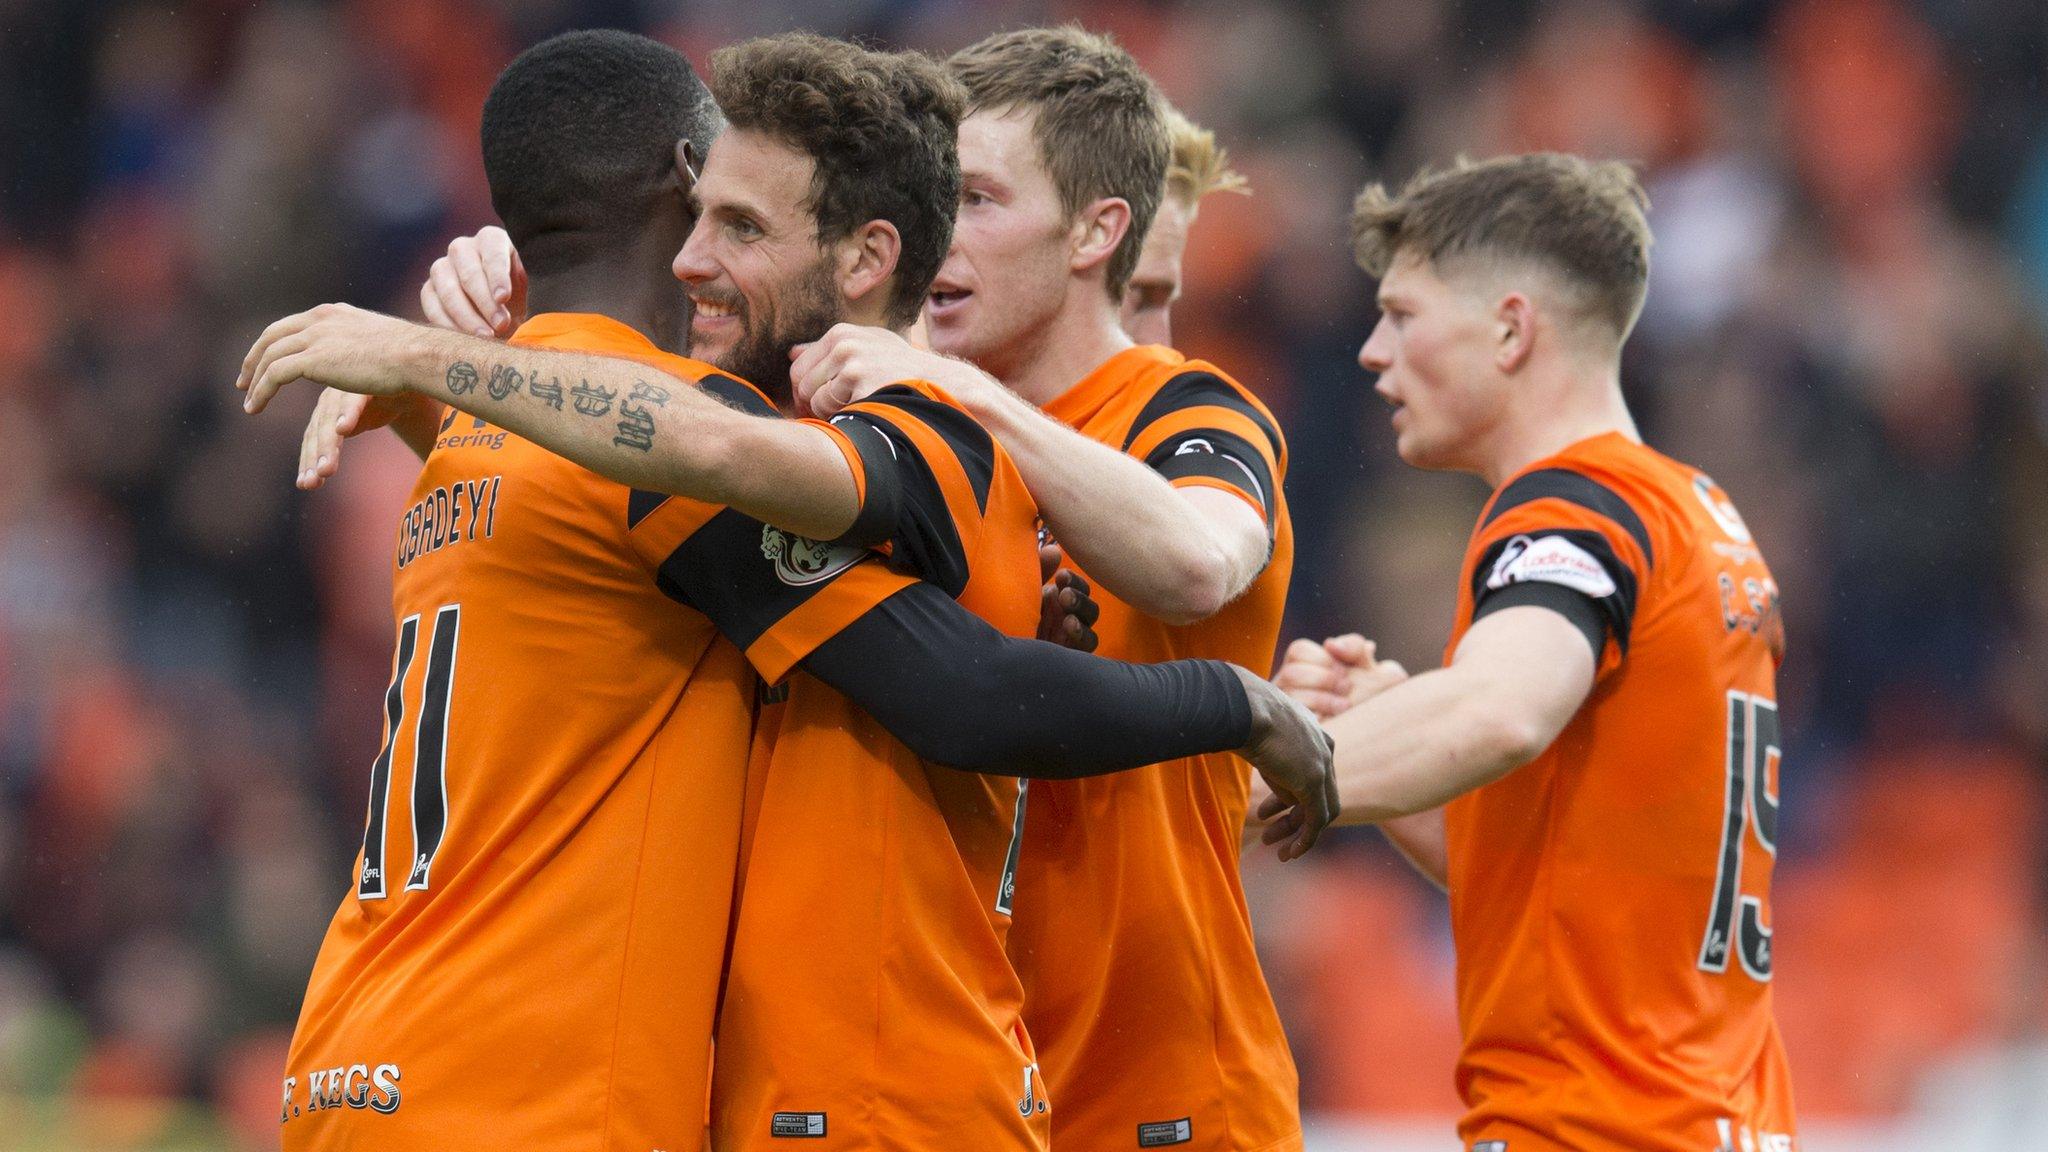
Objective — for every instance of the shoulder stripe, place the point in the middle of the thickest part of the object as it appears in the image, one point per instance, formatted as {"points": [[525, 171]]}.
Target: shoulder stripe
{"points": [[1573, 488], [882, 501], [970, 443], [1195, 388], [737, 395]]}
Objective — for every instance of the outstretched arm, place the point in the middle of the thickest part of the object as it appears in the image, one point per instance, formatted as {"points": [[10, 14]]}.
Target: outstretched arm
{"points": [[1516, 680], [1176, 553], [962, 694], [619, 418]]}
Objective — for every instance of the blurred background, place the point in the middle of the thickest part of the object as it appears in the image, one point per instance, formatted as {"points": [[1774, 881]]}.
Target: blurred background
{"points": [[1845, 327]]}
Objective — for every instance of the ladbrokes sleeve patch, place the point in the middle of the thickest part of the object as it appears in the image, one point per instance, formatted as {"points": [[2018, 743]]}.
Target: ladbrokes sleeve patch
{"points": [[1574, 572], [1551, 560]]}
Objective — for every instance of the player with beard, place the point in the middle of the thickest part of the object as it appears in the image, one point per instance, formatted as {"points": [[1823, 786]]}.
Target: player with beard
{"points": [[927, 1047], [1136, 1034], [1161, 477]]}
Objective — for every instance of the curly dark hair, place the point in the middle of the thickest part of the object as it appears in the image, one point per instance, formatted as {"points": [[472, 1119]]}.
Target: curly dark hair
{"points": [[882, 129], [579, 134]]}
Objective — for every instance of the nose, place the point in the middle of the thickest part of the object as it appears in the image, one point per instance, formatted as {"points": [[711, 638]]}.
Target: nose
{"points": [[1377, 353], [693, 264]]}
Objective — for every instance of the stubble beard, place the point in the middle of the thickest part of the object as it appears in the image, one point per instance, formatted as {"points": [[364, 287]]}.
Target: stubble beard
{"points": [[804, 312]]}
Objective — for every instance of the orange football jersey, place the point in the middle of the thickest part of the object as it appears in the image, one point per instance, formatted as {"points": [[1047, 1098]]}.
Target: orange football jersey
{"points": [[531, 952], [869, 1002], [1142, 985], [1611, 899]]}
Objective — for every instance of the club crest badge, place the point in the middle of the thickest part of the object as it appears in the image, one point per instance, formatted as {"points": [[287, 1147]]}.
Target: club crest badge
{"points": [[800, 561]]}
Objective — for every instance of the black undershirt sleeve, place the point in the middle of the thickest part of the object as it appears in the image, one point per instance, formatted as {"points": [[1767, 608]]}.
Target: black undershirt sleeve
{"points": [[961, 694]]}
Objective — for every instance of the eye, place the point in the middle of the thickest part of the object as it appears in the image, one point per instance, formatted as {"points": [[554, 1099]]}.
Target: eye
{"points": [[972, 197], [743, 228]]}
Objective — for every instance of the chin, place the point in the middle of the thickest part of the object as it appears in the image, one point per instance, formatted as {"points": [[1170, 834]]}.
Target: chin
{"points": [[1419, 453], [711, 351], [953, 339]]}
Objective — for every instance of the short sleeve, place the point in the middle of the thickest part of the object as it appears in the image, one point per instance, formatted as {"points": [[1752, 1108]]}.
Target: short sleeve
{"points": [[1560, 539], [774, 594], [1202, 430], [927, 466]]}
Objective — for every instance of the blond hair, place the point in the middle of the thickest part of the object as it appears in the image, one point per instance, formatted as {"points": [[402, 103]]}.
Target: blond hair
{"points": [[1098, 119], [1197, 166], [1580, 219]]}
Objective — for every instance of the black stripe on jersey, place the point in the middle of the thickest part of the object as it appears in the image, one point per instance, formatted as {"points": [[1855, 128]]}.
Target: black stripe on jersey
{"points": [[1577, 607], [737, 395], [881, 506], [1618, 609], [1198, 389], [640, 504], [1573, 488], [970, 442], [925, 537], [729, 570], [1219, 455]]}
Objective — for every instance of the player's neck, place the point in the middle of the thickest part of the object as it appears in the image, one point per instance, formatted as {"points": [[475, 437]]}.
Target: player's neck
{"points": [[1085, 332], [657, 309], [626, 277], [1554, 416]]}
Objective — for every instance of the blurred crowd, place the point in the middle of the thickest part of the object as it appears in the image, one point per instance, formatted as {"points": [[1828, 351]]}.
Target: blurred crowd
{"points": [[1845, 326]]}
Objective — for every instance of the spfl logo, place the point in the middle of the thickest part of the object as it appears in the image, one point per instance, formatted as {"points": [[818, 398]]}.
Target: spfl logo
{"points": [[800, 560]]}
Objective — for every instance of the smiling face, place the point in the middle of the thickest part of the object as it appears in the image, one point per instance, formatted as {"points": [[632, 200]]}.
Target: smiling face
{"points": [[1155, 283], [1007, 274], [1433, 349], [759, 278]]}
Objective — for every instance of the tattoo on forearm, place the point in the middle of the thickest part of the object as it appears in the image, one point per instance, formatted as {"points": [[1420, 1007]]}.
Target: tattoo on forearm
{"points": [[636, 427], [591, 401], [636, 420], [504, 381]]}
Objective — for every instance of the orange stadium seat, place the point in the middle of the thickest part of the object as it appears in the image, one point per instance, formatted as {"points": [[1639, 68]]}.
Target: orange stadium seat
{"points": [[1906, 942]]}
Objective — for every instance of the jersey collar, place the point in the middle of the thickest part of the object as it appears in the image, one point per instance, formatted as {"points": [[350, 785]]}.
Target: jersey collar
{"points": [[588, 328], [1076, 404]]}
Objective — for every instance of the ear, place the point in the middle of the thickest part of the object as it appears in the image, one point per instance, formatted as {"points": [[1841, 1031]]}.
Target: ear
{"points": [[687, 163], [867, 262], [1514, 332], [1098, 230]]}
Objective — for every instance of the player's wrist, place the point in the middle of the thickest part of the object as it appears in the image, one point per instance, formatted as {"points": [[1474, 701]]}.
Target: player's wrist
{"points": [[432, 358], [1262, 704]]}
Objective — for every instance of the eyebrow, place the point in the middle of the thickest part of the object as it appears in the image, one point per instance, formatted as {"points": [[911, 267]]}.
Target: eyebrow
{"points": [[742, 208]]}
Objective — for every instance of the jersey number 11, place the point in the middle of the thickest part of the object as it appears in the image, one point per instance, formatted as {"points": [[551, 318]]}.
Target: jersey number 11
{"points": [[429, 754]]}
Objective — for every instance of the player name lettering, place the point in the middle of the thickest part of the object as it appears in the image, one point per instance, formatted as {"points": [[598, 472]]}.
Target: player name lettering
{"points": [[344, 1086], [448, 515]]}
